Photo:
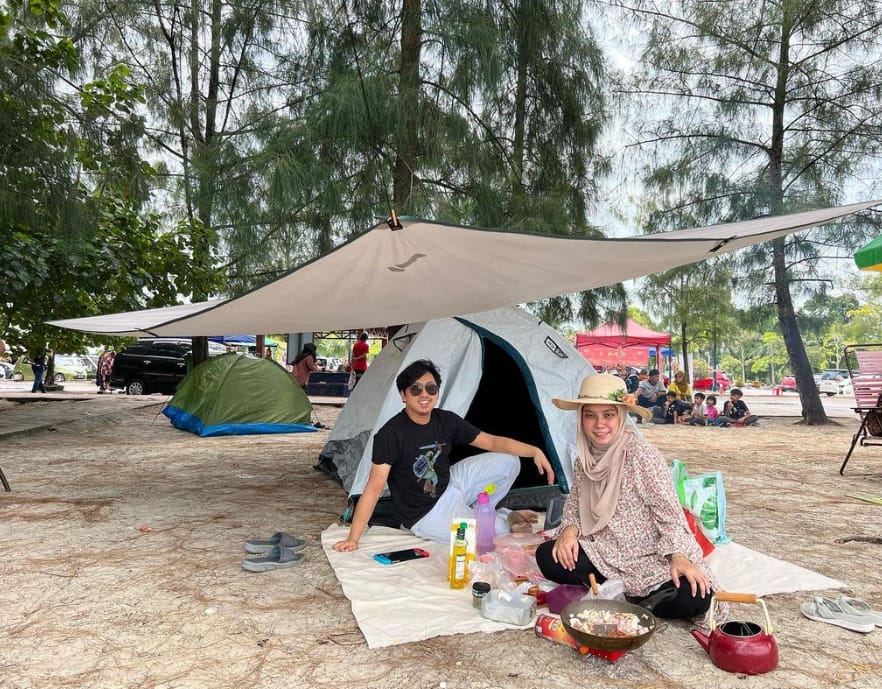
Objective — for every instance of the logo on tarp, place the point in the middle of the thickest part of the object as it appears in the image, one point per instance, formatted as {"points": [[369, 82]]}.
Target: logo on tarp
{"points": [[399, 267], [554, 347]]}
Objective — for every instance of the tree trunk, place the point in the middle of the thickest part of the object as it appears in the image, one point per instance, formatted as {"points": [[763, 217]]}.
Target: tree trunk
{"points": [[685, 350], [812, 409], [405, 177], [517, 153], [204, 153]]}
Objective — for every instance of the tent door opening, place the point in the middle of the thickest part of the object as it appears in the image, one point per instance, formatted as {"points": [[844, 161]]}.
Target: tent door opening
{"points": [[504, 405]]}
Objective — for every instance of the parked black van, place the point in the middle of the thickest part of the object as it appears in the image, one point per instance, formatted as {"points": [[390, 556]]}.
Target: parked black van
{"points": [[154, 364]]}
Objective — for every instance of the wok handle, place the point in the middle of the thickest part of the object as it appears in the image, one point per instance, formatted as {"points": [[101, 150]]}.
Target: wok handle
{"points": [[593, 581], [729, 597]]}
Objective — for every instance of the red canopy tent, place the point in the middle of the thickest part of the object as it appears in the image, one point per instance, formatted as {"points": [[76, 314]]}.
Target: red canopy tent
{"points": [[607, 345]]}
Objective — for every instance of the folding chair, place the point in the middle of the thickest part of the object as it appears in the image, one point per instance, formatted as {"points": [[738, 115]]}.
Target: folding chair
{"points": [[864, 362]]}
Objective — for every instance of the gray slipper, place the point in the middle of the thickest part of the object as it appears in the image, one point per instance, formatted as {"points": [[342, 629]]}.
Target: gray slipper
{"points": [[280, 538], [826, 610], [279, 557], [860, 608]]}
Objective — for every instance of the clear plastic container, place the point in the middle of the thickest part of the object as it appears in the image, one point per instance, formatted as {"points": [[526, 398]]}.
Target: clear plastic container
{"points": [[510, 608]]}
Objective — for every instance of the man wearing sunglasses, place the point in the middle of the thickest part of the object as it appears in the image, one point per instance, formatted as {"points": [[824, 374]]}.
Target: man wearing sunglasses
{"points": [[411, 455]]}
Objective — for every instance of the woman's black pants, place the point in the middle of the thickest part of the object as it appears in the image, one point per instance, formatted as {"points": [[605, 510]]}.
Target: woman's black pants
{"points": [[673, 603]]}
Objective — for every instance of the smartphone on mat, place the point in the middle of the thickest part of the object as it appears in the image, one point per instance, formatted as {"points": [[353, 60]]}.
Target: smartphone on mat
{"points": [[401, 556]]}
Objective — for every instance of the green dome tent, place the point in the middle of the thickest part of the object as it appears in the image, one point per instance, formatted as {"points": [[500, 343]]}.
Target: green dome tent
{"points": [[233, 394]]}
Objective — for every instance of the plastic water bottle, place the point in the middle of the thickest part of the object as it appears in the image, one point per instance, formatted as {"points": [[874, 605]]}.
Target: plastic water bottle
{"points": [[485, 522]]}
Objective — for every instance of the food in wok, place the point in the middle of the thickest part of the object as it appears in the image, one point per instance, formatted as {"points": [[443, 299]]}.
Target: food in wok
{"points": [[608, 625]]}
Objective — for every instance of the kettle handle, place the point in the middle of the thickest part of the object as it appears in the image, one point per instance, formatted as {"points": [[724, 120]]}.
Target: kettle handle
{"points": [[729, 597]]}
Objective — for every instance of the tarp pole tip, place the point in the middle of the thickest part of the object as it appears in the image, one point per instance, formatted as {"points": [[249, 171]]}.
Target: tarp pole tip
{"points": [[393, 222]]}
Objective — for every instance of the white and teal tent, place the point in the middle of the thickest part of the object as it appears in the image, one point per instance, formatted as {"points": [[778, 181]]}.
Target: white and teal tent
{"points": [[500, 370]]}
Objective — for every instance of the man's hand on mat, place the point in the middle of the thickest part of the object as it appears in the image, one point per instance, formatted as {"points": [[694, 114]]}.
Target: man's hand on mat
{"points": [[681, 566], [345, 546], [543, 466]]}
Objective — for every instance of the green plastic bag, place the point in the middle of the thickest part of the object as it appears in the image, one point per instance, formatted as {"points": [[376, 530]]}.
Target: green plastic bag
{"points": [[679, 474], [705, 497]]}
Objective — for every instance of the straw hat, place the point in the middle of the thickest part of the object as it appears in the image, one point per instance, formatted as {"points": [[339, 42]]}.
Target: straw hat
{"points": [[603, 388]]}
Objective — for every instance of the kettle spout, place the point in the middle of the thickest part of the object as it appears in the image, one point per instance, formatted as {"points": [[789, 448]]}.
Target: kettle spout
{"points": [[702, 639]]}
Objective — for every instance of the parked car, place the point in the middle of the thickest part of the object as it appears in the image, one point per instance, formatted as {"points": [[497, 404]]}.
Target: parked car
{"points": [[90, 365], [835, 381], [724, 382], [788, 383], [67, 367], [6, 369], [154, 364]]}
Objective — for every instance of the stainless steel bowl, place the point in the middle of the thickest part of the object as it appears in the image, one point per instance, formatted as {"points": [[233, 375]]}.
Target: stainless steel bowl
{"points": [[608, 643]]}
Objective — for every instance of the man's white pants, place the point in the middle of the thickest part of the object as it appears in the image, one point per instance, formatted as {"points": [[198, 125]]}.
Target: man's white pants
{"points": [[468, 477]]}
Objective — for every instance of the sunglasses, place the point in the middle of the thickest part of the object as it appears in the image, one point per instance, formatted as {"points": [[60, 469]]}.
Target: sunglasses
{"points": [[417, 389]]}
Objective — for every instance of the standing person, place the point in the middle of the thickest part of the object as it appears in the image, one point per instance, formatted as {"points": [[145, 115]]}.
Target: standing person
{"points": [[622, 519], [735, 410], [304, 364], [412, 456], [38, 366], [359, 357], [105, 368]]}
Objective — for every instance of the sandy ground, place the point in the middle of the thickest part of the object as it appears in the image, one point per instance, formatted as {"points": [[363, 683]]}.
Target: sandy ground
{"points": [[123, 540]]}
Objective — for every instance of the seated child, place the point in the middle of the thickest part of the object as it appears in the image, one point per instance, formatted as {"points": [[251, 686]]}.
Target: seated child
{"points": [[735, 410], [674, 408], [698, 415], [713, 414]]}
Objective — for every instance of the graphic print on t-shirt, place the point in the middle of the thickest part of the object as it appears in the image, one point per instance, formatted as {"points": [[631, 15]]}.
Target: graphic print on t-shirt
{"points": [[424, 467]]}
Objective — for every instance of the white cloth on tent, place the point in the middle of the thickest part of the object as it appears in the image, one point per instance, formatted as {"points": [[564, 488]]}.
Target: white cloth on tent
{"points": [[411, 601]]}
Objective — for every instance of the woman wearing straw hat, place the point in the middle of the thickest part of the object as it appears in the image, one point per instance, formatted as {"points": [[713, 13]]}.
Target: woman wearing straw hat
{"points": [[622, 518]]}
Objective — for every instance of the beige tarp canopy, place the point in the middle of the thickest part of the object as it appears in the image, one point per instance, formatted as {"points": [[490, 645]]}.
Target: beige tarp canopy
{"points": [[429, 270]]}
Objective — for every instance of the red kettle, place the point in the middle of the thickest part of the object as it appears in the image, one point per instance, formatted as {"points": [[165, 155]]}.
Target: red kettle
{"points": [[742, 647]]}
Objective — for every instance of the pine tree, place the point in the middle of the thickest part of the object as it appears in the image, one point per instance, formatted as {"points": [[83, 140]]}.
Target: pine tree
{"points": [[751, 109]]}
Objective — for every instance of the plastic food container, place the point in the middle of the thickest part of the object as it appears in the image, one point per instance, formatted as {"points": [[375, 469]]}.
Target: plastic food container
{"points": [[507, 607], [525, 541]]}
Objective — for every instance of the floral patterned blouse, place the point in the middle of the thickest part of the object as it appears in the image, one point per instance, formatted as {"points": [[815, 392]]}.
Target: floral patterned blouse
{"points": [[648, 524]]}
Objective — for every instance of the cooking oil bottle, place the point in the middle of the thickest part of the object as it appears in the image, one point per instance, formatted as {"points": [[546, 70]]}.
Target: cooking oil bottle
{"points": [[458, 568]]}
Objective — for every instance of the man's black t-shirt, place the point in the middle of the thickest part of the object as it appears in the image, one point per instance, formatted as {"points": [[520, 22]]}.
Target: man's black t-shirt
{"points": [[420, 459]]}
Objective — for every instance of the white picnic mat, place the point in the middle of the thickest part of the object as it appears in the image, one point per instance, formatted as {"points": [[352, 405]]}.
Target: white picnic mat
{"points": [[411, 601]]}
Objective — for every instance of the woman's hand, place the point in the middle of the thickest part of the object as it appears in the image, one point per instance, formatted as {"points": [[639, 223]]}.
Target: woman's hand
{"points": [[681, 566], [345, 546], [566, 548]]}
